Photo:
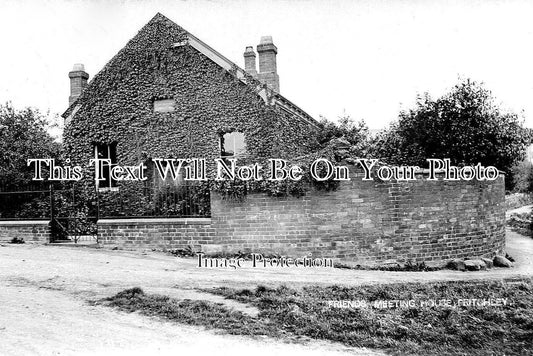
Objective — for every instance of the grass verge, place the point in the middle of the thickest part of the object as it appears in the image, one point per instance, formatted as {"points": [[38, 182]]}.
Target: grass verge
{"points": [[439, 330], [191, 312]]}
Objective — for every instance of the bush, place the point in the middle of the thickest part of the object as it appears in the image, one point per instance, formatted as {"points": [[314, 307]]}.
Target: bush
{"points": [[521, 223], [465, 125], [523, 177]]}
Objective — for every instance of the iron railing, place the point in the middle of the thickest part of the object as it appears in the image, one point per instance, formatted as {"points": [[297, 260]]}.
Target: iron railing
{"points": [[25, 202], [155, 202], [74, 208], [46, 201]]}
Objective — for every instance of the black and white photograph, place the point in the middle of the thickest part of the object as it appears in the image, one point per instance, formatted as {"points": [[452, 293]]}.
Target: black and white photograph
{"points": [[276, 177]]}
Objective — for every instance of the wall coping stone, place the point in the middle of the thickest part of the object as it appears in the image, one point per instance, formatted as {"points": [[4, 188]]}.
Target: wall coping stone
{"points": [[153, 221], [23, 222]]}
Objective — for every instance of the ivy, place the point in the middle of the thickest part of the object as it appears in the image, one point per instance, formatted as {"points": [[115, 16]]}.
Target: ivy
{"points": [[237, 189], [117, 106]]}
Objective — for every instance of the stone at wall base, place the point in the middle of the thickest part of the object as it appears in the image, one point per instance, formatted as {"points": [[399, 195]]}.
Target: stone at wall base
{"points": [[500, 261], [212, 249], [457, 264], [475, 265], [488, 262], [434, 265]]}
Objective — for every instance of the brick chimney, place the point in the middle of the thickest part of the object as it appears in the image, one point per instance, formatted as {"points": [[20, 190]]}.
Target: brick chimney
{"points": [[249, 61], [78, 82], [267, 63]]}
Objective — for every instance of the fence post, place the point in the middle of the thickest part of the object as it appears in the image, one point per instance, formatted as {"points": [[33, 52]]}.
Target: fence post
{"points": [[97, 211], [51, 202], [52, 230]]}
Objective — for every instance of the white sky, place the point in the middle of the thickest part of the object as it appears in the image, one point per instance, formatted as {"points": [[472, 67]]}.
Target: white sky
{"points": [[367, 58]]}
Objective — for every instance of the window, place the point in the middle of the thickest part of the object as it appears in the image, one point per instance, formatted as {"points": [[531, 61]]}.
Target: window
{"points": [[232, 145], [164, 105], [106, 152]]}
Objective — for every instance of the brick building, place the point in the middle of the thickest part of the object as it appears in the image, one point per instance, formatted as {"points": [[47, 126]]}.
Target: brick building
{"points": [[168, 94]]}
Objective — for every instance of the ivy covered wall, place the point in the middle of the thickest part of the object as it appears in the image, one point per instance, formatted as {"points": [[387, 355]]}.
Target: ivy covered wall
{"points": [[117, 106]]}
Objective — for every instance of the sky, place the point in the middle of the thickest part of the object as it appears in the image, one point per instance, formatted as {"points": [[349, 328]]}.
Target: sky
{"points": [[367, 59]]}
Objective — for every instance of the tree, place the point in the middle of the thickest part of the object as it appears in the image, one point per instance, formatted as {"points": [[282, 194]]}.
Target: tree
{"points": [[23, 135], [523, 177], [464, 125], [355, 132]]}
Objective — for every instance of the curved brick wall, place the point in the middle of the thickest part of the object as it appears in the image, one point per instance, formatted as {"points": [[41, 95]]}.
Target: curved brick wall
{"points": [[363, 222], [370, 222]]}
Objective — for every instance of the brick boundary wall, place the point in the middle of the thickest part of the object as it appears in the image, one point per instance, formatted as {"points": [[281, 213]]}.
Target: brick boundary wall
{"points": [[370, 222], [364, 222], [29, 230], [156, 233]]}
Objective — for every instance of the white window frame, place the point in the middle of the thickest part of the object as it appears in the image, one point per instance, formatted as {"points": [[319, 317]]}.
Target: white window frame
{"points": [[98, 183]]}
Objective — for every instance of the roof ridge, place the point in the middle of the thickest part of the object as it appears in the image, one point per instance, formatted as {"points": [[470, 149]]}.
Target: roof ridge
{"points": [[211, 53]]}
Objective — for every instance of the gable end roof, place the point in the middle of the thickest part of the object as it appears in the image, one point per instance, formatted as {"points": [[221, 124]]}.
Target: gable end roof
{"points": [[262, 90]]}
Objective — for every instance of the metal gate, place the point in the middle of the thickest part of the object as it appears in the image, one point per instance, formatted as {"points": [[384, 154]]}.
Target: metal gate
{"points": [[72, 216]]}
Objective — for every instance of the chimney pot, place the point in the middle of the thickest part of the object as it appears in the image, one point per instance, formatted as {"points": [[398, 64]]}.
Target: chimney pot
{"points": [[266, 40], [78, 67]]}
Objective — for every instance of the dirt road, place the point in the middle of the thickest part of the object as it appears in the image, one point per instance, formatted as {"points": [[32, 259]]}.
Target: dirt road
{"points": [[44, 292]]}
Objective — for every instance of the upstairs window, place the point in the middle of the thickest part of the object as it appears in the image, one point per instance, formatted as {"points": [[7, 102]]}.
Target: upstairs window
{"points": [[232, 145], [106, 152], [164, 105]]}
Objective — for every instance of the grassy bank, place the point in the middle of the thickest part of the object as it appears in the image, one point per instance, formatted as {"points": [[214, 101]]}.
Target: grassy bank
{"points": [[409, 329]]}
